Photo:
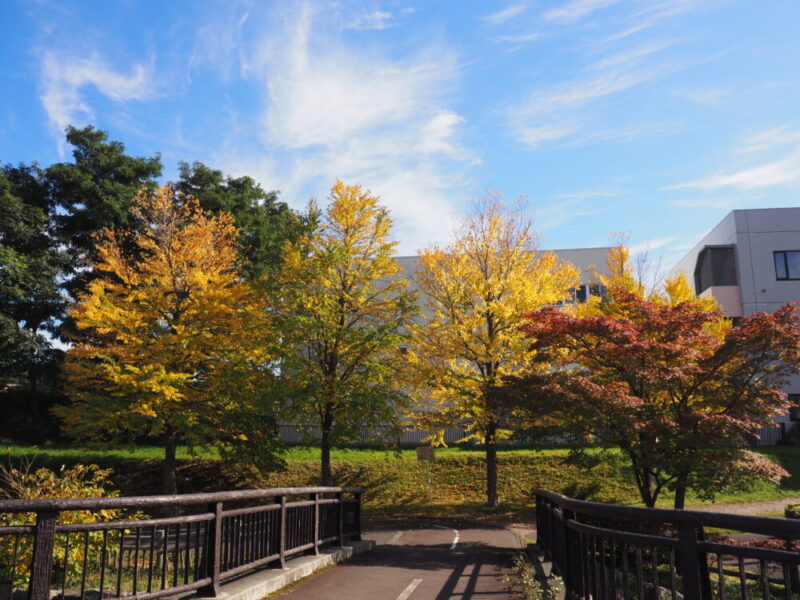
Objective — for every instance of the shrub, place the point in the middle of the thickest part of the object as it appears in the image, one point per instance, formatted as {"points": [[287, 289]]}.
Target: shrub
{"points": [[79, 481], [792, 511]]}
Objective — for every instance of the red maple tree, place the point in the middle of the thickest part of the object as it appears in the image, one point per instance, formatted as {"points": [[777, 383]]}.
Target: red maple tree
{"points": [[680, 396]]}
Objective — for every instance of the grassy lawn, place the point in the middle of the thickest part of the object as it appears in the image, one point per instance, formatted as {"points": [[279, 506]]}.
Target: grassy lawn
{"points": [[396, 483]]}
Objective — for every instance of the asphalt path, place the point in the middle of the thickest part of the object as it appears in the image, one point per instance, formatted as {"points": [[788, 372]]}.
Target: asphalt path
{"points": [[437, 562]]}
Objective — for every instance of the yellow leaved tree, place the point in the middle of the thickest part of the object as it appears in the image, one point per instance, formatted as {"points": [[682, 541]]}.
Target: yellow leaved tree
{"points": [[170, 339], [341, 309], [476, 291], [622, 277]]}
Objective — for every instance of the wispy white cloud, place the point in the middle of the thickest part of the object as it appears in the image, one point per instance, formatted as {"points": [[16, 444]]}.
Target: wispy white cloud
{"points": [[770, 139], [782, 172], [568, 208], [728, 202], [536, 136], [768, 159], [576, 9], [593, 134], [219, 45], [652, 14], [560, 113], [332, 110], [377, 19], [506, 14], [590, 194], [64, 77], [519, 38], [652, 244], [707, 96]]}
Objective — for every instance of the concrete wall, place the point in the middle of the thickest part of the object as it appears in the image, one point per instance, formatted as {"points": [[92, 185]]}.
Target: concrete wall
{"points": [[756, 234]]}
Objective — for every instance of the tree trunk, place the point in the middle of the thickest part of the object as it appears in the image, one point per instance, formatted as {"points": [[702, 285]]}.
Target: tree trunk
{"points": [[680, 492], [327, 427], [169, 484], [491, 464]]}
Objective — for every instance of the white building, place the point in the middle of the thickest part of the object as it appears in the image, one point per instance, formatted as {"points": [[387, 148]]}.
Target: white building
{"points": [[750, 262], [589, 261]]}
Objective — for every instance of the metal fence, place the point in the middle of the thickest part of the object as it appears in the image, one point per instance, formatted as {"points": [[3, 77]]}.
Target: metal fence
{"points": [[607, 551], [384, 435], [99, 548]]}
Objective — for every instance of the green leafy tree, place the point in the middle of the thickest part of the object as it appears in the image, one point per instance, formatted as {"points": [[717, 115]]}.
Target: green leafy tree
{"points": [[94, 193], [265, 223], [341, 311], [30, 264]]}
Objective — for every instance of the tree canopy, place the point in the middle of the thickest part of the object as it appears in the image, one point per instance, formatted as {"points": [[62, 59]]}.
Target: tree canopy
{"points": [[170, 340], [31, 261], [341, 311], [475, 292], [681, 397], [95, 192], [265, 223]]}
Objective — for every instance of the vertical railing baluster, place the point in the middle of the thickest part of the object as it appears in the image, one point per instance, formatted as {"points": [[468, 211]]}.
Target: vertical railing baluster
{"points": [[787, 583], [85, 560], [176, 555], [102, 563], [721, 575], [119, 562], [164, 557], [205, 525], [14, 561], [639, 572], [315, 496], [136, 550], [673, 585], [603, 574], [764, 581], [340, 498], [66, 564], [187, 554], [282, 542], [742, 579], [625, 571], [654, 563], [150, 556]]}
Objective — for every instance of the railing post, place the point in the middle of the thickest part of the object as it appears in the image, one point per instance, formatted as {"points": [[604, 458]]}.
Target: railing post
{"points": [[357, 536], [42, 565], [690, 560], [316, 522], [212, 557], [569, 568], [340, 496], [283, 533]]}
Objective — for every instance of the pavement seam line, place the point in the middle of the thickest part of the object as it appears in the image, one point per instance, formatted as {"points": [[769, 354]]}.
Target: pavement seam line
{"points": [[394, 538], [409, 590]]}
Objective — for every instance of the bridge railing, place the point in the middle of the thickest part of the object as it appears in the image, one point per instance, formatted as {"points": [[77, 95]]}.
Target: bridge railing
{"points": [[608, 551], [103, 548]]}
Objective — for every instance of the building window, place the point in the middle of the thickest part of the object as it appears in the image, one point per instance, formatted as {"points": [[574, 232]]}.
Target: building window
{"points": [[716, 265], [787, 264], [794, 410]]}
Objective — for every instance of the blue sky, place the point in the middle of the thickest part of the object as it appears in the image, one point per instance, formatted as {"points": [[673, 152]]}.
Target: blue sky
{"points": [[654, 117]]}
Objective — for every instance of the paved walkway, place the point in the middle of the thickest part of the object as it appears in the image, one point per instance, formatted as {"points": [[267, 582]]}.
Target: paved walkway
{"points": [[747, 508], [435, 562]]}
